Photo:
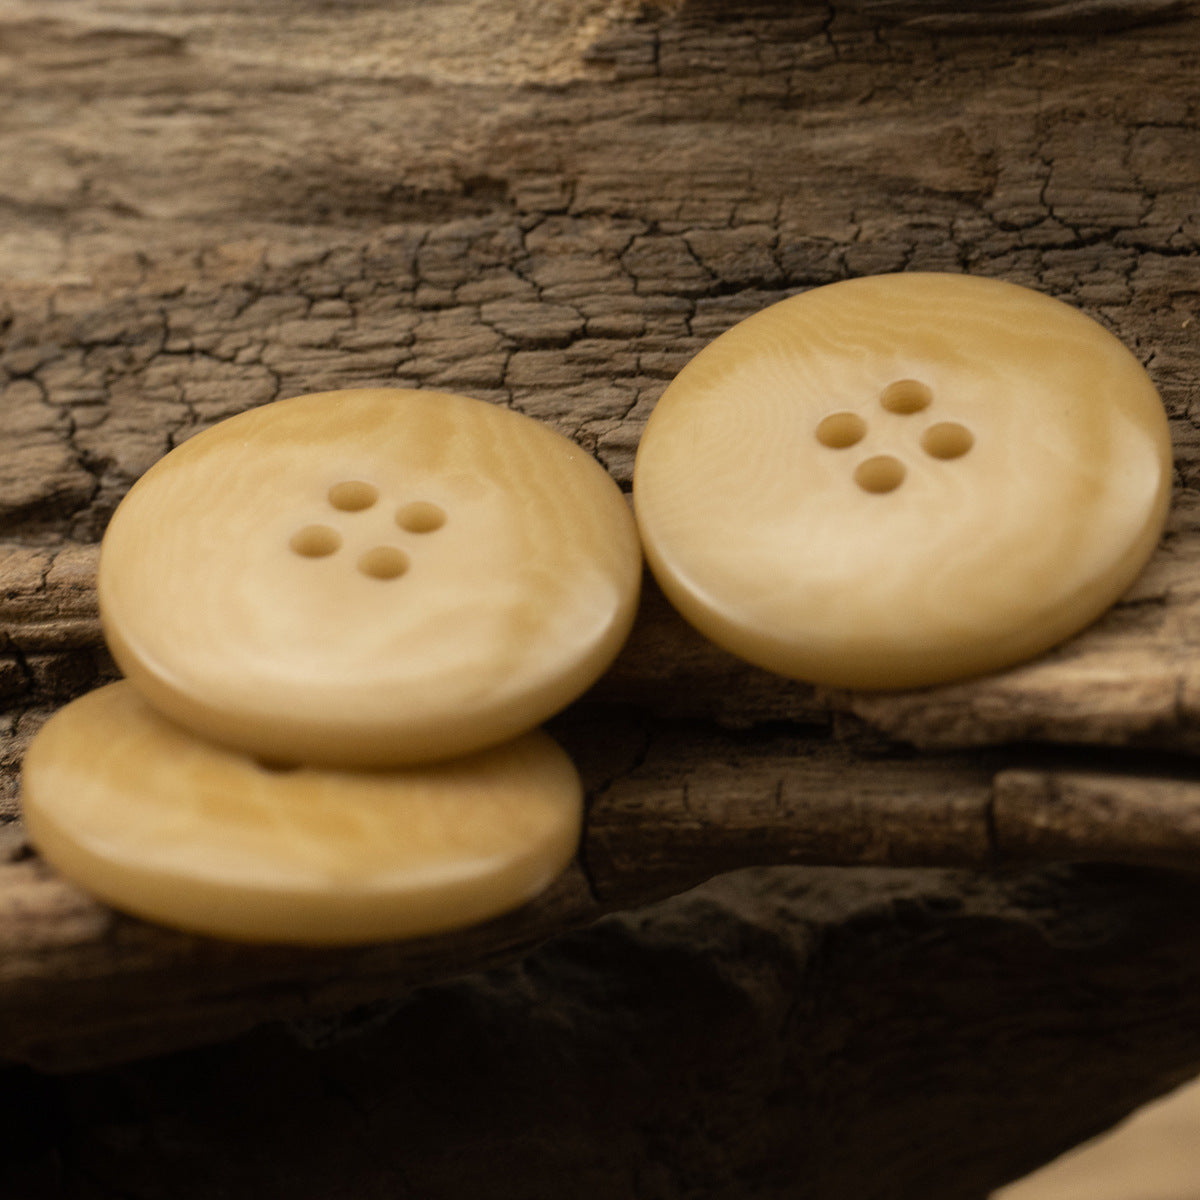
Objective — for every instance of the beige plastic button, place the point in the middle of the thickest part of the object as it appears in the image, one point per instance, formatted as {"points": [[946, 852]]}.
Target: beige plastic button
{"points": [[903, 480], [167, 826], [369, 577]]}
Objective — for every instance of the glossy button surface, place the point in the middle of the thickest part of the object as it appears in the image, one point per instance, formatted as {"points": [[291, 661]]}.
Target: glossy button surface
{"points": [[902, 480], [369, 577], [170, 827]]}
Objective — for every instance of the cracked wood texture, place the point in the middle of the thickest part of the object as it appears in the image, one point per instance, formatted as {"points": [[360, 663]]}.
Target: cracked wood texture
{"points": [[206, 206]]}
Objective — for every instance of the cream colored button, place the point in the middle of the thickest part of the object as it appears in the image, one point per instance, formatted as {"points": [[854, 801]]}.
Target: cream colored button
{"points": [[903, 480], [169, 827], [369, 577]]}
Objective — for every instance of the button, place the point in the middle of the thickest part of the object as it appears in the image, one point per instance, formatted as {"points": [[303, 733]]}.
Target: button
{"points": [[167, 826], [903, 480], [371, 577]]}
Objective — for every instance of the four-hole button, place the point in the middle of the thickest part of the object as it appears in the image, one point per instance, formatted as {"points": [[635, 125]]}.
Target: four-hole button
{"points": [[369, 578], [898, 481]]}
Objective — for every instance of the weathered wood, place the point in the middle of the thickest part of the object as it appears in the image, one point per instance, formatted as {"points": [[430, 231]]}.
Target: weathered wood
{"points": [[204, 208], [80, 984], [783, 1034], [1042, 814]]}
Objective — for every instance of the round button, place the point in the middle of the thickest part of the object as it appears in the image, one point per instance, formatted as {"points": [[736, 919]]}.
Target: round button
{"points": [[168, 826], [903, 480], [367, 578]]}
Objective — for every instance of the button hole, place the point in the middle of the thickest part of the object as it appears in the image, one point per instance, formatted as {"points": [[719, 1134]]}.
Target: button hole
{"points": [[384, 562], [906, 396], [880, 474], [316, 541], [947, 440], [420, 517], [353, 495], [275, 766], [841, 429]]}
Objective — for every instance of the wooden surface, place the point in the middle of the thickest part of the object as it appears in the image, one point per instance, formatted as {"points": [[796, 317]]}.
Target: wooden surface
{"points": [[782, 1033], [207, 206]]}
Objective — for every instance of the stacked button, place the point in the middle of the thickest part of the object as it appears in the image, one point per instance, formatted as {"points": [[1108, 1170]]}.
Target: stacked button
{"points": [[340, 617]]}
